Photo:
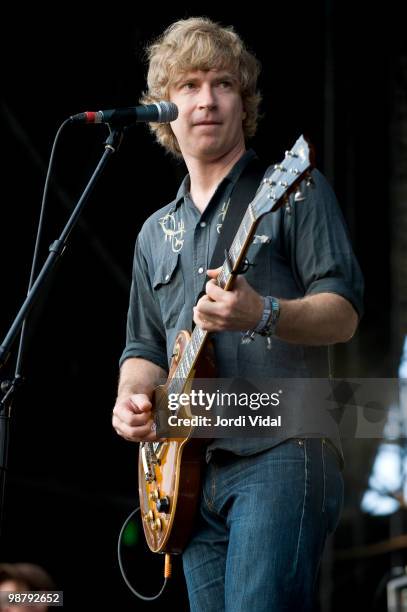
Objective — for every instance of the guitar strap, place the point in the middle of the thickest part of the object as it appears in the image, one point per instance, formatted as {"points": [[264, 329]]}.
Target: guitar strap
{"points": [[242, 194]]}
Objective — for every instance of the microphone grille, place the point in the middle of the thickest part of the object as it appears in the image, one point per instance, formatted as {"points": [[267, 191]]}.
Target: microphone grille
{"points": [[167, 111]]}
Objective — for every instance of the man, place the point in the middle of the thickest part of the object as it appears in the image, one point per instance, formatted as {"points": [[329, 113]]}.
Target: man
{"points": [[267, 504]]}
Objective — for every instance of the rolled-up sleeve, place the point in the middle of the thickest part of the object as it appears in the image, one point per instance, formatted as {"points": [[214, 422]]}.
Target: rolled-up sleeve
{"points": [[321, 252], [145, 335]]}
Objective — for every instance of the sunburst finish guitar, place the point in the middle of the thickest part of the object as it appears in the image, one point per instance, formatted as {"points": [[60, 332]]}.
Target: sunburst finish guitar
{"points": [[170, 471]]}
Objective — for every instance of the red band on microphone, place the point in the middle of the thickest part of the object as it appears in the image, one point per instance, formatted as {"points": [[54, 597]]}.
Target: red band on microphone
{"points": [[90, 116]]}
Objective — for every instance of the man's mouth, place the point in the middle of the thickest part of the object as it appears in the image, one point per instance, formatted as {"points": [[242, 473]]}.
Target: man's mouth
{"points": [[207, 123]]}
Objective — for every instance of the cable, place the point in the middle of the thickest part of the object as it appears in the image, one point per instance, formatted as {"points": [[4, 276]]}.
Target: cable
{"points": [[34, 263], [167, 567]]}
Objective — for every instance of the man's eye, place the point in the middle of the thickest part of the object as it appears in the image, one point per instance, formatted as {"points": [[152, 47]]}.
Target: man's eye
{"points": [[188, 85], [225, 84]]}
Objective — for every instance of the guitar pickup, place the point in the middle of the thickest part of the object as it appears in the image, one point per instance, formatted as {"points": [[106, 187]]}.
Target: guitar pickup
{"points": [[146, 461]]}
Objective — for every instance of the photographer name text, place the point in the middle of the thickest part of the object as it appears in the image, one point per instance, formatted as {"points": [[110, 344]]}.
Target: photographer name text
{"points": [[240, 421]]}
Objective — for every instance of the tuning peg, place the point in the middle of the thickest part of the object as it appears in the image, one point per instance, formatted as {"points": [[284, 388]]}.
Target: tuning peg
{"points": [[299, 196], [288, 207]]}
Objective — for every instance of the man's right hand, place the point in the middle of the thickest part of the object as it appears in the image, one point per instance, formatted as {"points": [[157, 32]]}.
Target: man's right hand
{"points": [[132, 418]]}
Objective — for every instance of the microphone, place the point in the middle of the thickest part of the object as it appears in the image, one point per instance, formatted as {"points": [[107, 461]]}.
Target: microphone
{"points": [[159, 112]]}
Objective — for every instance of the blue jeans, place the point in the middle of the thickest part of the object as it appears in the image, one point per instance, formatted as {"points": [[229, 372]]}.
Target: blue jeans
{"points": [[262, 527]]}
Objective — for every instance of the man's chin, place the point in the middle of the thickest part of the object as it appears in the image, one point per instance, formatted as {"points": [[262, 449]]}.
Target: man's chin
{"points": [[211, 149]]}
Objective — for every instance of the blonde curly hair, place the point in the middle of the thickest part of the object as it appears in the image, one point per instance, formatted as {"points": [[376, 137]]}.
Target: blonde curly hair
{"points": [[198, 43]]}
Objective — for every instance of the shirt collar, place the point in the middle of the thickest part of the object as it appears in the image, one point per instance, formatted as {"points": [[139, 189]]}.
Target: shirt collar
{"points": [[232, 177]]}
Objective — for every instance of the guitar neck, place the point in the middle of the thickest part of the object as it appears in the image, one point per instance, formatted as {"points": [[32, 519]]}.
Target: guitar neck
{"points": [[238, 249]]}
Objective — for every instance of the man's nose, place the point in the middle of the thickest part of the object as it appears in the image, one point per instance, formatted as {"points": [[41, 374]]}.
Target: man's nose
{"points": [[207, 98]]}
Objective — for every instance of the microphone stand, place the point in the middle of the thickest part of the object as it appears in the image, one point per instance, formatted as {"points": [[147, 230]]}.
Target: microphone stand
{"points": [[56, 250]]}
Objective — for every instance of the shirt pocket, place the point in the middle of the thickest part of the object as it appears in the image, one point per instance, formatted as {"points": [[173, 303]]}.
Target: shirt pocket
{"points": [[168, 285]]}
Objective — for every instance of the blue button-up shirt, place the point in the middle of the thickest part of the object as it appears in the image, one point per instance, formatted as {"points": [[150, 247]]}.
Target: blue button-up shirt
{"points": [[298, 254]]}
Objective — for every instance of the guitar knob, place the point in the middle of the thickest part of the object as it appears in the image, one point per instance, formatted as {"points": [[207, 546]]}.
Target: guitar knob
{"points": [[156, 525], [163, 504]]}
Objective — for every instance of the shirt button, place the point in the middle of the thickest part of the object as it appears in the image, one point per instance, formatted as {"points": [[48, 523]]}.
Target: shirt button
{"points": [[200, 270], [203, 224]]}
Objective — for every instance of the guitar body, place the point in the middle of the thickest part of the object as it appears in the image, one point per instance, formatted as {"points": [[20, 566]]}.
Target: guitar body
{"points": [[170, 472]]}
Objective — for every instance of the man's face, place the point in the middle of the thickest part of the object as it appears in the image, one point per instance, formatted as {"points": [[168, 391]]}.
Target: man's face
{"points": [[209, 124]]}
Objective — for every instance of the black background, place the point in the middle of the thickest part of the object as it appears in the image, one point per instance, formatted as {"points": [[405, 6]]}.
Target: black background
{"points": [[72, 482]]}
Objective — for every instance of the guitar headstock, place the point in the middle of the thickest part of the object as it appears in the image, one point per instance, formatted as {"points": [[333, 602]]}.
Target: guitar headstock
{"points": [[283, 178]]}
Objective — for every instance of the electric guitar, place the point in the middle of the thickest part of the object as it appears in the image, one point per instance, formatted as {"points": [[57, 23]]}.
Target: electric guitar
{"points": [[170, 471]]}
